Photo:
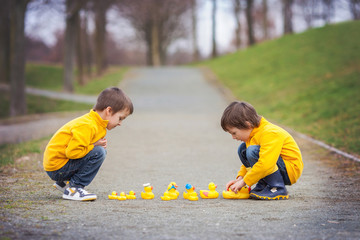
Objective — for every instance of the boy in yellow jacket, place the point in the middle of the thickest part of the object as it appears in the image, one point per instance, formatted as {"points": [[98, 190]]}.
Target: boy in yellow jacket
{"points": [[270, 156], [77, 150]]}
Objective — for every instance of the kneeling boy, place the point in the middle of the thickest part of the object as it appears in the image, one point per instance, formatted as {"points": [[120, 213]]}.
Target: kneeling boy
{"points": [[270, 156], [76, 152]]}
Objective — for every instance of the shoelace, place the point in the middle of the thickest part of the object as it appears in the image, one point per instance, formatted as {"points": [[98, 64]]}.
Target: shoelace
{"points": [[82, 191]]}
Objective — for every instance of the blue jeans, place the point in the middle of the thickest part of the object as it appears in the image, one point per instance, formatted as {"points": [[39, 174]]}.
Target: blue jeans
{"points": [[80, 172], [249, 156]]}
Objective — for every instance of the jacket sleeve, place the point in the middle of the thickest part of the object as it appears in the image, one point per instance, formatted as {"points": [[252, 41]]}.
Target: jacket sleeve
{"points": [[270, 147], [80, 143], [242, 172]]}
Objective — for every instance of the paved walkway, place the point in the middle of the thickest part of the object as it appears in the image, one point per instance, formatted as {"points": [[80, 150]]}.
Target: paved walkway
{"points": [[175, 135]]}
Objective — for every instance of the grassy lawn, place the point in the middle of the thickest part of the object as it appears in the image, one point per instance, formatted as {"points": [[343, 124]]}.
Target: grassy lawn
{"points": [[50, 77], [10, 152], [307, 81], [35, 104]]}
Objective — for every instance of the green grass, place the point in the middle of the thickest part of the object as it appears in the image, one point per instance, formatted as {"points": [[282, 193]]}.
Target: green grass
{"points": [[35, 104], [50, 77], [308, 81], [10, 152]]}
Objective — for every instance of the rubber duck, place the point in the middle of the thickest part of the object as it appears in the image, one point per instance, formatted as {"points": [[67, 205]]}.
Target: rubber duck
{"points": [[148, 194], [121, 197], [171, 192], [166, 197], [190, 194], [113, 195], [211, 193], [131, 195], [242, 194], [172, 188]]}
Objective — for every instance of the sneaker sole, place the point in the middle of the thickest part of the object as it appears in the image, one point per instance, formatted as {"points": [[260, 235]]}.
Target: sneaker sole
{"points": [[79, 199], [280, 197]]}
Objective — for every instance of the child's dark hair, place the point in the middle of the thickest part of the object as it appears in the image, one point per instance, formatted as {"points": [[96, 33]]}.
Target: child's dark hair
{"points": [[239, 115], [115, 98]]}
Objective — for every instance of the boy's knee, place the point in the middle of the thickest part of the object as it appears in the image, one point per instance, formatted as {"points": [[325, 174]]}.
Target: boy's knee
{"points": [[241, 150], [252, 153], [99, 152]]}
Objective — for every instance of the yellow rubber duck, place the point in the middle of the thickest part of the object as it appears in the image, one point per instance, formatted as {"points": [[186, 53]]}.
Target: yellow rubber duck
{"points": [[171, 192], [211, 193], [148, 194], [131, 195], [113, 195], [122, 197], [190, 194], [242, 194], [172, 188], [166, 197]]}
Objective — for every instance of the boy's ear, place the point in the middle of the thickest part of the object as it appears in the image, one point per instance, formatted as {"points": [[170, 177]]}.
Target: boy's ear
{"points": [[248, 124], [108, 111]]}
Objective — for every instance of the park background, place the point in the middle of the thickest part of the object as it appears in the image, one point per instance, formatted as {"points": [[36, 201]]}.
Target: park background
{"points": [[297, 62]]}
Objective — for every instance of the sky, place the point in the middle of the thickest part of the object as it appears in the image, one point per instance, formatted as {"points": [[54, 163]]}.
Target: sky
{"points": [[46, 24]]}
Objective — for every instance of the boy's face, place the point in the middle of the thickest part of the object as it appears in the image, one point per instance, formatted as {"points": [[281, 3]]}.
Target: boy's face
{"points": [[116, 118], [239, 134]]}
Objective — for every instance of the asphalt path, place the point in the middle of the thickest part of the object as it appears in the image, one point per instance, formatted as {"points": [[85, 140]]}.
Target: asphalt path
{"points": [[174, 134]]}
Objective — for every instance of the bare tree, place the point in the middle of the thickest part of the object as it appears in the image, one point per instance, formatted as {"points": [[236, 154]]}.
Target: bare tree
{"points": [[157, 22], [5, 42], [17, 57], [100, 9], [213, 16], [265, 24], [194, 31], [288, 15], [250, 21], [237, 9], [72, 19], [86, 46], [328, 10], [355, 9], [80, 52]]}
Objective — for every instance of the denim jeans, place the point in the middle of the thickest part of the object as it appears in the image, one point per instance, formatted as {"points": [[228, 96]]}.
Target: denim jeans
{"points": [[80, 172], [249, 156]]}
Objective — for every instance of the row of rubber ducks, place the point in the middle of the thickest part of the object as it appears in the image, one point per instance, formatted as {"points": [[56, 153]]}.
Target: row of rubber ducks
{"points": [[172, 193]]}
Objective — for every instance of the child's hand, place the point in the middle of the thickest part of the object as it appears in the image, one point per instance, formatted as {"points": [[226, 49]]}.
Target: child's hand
{"points": [[237, 185], [232, 182], [101, 142]]}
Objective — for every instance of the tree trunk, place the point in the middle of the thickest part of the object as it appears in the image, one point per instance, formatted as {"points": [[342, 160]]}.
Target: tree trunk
{"points": [[87, 47], [214, 47], [17, 58], [5, 42], [79, 52], [287, 12], [194, 31], [72, 16], [155, 44], [265, 19], [249, 18], [100, 36], [237, 9], [355, 9]]}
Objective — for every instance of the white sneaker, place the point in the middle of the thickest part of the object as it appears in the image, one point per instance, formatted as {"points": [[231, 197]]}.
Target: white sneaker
{"points": [[61, 189], [78, 194]]}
